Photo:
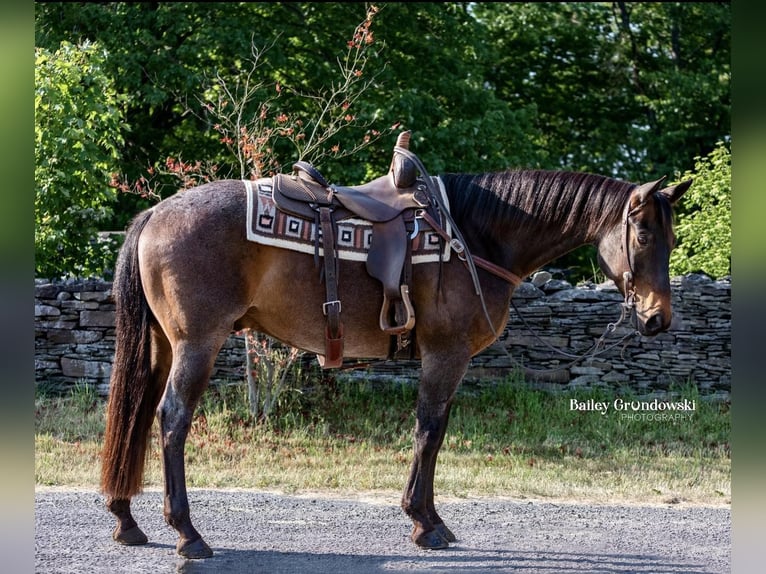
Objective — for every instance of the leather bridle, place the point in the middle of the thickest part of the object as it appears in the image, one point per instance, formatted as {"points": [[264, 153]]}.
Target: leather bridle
{"points": [[628, 304], [628, 276]]}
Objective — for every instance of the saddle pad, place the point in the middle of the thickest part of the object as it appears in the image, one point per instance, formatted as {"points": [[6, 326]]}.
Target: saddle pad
{"points": [[269, 226]]}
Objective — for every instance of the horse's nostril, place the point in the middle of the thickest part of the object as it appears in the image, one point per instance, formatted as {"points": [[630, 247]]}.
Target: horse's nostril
{"points": [[655, 324]]}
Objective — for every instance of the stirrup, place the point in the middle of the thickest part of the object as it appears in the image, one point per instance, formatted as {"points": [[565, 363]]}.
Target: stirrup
{"points": [[408, 324]]}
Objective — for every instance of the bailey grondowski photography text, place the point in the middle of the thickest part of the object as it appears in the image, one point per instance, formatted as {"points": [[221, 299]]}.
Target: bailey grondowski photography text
{"points": [[639, 410]]}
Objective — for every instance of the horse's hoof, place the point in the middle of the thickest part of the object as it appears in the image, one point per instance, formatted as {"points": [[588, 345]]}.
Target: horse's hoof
{"points": [[130, 537], [431, 540], [445, 532], [194, 549]]}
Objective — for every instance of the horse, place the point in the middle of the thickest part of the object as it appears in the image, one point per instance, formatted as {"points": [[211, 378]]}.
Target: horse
{"points": [[187, 276]]}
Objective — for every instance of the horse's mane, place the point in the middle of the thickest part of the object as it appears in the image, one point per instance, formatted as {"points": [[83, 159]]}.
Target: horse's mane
{"points": [[502, 202]]}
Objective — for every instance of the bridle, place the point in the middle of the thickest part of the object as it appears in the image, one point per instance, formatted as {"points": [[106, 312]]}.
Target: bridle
{"points": [[628, 304], [627, 276], [459, 245]]}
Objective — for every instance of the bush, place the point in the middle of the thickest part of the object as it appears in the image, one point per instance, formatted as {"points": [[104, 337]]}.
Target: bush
{"points": [[78, 134], [704, 220]]}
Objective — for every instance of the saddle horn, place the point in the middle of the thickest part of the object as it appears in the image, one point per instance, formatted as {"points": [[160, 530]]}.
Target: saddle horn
{"points": [[403, 169]]}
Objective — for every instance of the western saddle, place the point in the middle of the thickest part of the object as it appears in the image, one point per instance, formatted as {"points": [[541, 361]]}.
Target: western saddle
{"points": [[391, 203]]}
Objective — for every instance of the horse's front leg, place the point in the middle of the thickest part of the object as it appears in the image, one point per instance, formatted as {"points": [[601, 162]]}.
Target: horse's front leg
{"points": [[435, 393], [188, 379]]}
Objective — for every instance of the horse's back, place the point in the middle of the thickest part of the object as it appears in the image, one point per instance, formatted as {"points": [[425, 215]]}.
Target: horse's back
{"points": [[202, 274]]}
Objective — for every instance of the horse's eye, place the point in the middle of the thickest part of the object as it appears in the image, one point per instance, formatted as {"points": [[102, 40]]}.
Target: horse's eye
{"points": [[643, 238]]}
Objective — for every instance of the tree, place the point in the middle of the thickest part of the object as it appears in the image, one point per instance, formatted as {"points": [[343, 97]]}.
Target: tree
{"points": [[634, 90], [78, 138], [704, 223]]}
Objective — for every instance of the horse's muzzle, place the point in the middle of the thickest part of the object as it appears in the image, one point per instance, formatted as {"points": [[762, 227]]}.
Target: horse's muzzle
{"points": [[656, 324]]}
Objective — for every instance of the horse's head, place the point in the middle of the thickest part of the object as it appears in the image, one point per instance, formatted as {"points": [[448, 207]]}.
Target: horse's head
{"points": [[635, 253]]}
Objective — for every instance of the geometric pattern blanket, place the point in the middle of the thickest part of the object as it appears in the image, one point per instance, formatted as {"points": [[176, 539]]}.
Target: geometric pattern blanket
{"points": [[268, 225]]}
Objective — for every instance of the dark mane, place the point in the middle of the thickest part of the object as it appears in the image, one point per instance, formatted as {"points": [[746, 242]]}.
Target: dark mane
{"points": [[519, 200]]}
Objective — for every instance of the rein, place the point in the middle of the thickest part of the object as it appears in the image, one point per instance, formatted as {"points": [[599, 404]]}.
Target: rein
{"points": [[458, 243], [627, 306], [598, 348]]}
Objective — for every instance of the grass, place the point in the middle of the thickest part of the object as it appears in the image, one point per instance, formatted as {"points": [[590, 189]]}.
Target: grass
{"points": [[349, 437]]}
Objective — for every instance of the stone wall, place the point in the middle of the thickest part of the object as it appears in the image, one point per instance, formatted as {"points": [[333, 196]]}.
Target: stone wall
{"points": [[74, 339]]}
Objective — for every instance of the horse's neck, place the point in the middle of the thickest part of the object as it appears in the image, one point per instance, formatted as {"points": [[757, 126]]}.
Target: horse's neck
{"points": [[537, 234], [540, 243], [539, 247]]}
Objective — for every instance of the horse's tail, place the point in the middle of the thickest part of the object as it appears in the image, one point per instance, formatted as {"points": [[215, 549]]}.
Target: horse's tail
{"points": [[134, 394]]}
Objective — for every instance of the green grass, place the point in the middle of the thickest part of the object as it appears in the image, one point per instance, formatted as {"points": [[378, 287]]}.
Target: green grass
{"points": [[503, 440]]}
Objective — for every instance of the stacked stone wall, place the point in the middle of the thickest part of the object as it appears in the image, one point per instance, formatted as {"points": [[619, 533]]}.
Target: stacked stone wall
{"points": [[74, 340]]}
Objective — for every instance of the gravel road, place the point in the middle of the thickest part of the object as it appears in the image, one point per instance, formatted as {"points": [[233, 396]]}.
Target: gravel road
{"points": [[253, 532]]}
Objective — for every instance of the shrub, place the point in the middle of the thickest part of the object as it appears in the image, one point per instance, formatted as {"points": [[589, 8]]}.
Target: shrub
{"points": [[704, 220], [78, 134]]}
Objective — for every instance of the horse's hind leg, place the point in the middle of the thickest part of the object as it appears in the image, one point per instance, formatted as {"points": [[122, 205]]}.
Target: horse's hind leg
{"points": [[439, 380], [127, 531], [192, 364]]}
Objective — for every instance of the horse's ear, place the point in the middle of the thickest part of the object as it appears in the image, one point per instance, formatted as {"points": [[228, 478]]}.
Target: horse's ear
{"points": [[643, 192], [674, 192]]}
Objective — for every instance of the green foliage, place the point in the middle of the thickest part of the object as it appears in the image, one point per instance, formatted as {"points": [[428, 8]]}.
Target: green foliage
{"points": [[629, 89], [78, 138], [633, 90], [704, 223]]}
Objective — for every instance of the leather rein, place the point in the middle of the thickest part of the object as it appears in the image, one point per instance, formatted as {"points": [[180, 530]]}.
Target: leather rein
{"points": [[626, 307], [458, 245]]}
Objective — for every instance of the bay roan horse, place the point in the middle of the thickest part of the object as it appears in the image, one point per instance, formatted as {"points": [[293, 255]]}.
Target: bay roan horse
{"points": [[187, 276]]}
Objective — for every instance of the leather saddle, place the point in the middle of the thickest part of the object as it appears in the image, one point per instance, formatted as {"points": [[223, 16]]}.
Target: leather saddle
{"points": [[391, 203]]}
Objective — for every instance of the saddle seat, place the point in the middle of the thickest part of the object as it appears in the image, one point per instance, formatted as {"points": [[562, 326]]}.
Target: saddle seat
{"points": [[390, 203], [382, 199]]}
